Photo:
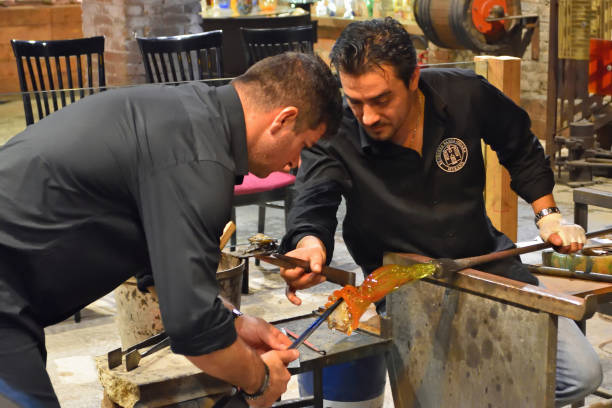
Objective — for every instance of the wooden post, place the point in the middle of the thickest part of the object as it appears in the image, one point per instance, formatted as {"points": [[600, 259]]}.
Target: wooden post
{"points": [[500, 201]]}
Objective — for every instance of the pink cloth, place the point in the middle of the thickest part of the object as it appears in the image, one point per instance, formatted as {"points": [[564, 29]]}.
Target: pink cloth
{"points": [[253, 184]]}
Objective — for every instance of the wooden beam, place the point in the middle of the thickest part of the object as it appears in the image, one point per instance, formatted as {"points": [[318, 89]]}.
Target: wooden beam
{"points": [[500, 201]]}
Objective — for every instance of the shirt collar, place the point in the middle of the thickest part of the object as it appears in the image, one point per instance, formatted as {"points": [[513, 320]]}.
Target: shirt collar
{"points": [[228, 97]]}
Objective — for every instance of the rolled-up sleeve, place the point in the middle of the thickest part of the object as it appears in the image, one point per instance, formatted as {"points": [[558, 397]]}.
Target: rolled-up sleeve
{"points": [[507, 131], [184, 208]]}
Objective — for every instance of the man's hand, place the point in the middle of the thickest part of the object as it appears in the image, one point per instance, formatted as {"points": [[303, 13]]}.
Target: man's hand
{"points": [[311, 249], [565, 237], [277, 362], [261, 335]]}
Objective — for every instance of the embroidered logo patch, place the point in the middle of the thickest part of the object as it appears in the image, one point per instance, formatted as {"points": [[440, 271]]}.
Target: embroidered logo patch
{"points": [[451, 155]]}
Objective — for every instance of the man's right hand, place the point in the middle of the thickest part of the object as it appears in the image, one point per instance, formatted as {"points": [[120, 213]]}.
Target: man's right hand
{"points": [[311, 249], [277, 361]]}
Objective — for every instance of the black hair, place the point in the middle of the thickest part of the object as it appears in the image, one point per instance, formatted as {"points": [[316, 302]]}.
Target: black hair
{"points": [[363, 45], [297, 79]]}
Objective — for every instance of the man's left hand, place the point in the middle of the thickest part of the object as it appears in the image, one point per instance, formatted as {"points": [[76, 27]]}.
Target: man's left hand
{"points": [[566, 237], [261, 335]]}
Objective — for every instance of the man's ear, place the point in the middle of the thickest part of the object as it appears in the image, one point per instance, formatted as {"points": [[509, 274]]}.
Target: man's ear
{"points": [[414, 79], [285, 117]]}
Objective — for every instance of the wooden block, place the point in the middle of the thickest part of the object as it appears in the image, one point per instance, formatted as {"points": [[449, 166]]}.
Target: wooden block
{"points": [[500, 201]]}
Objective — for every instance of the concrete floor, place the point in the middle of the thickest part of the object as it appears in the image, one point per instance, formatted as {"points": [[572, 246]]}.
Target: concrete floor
{"points": [[71, 345]]}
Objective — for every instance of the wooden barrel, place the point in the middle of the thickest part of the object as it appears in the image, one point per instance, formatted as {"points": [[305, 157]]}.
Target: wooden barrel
{"points": [[138, 315], [461, 24]]}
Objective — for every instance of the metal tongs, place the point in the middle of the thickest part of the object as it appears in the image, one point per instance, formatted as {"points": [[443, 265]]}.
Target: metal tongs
{"points": [[133, 356], [259, 244]]}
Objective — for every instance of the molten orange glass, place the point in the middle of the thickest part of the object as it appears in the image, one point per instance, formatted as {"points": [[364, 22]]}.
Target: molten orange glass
{"points": [[376, 286]]}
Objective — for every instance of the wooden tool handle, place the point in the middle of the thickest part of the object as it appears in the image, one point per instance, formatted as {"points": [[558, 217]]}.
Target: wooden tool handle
{"points": [[228, 231], [334, 275]]}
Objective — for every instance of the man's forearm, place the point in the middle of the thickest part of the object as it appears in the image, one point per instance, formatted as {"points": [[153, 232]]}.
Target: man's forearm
{"points": [[237, 364], [546, 201]]}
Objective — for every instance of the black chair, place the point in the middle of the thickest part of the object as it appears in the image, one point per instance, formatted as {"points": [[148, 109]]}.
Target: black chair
{"points": [[259, 43], [56, 70], [186, 57]]}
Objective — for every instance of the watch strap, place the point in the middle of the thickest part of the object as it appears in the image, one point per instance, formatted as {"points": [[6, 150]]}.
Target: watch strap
{"points": [[264, 386], [546, 211]]}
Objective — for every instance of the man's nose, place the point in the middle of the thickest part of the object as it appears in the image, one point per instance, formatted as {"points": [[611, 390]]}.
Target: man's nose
{"points": [[369, 116]]}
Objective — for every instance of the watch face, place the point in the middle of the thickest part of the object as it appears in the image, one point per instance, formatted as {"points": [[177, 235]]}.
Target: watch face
{"points": [[236, 313]]}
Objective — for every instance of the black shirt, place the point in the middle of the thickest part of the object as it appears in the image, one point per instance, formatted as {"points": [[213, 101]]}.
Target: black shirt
{"points": [[121, 183], [398, 200]]}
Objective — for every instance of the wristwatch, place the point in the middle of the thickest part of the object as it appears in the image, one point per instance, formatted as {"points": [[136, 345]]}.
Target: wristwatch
{"points": [[262, 389], [236, 313], [546, 211]]}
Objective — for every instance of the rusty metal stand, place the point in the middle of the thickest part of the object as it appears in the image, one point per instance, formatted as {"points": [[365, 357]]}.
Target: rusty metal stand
{"points": [[476, 341]]}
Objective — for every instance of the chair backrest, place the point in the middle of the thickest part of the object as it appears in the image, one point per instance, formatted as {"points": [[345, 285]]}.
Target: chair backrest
{"points": [[183, 57], [48, 69], [259, 43]]}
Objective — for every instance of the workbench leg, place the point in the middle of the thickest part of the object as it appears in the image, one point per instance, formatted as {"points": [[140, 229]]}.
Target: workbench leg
{"points": [[581, 214], [317, 387], [245, 278]]}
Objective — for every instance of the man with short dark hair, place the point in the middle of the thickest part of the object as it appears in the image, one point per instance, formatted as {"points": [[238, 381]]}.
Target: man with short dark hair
{"points": [[408, 162], [141, 180]]}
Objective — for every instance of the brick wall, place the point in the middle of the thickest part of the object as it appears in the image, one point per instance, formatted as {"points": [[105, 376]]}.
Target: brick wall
{"points": [[120, 21], [33, 22]]}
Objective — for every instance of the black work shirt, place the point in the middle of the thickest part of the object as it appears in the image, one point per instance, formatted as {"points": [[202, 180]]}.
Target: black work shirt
{"points": [[400, 201], [121, 183]]}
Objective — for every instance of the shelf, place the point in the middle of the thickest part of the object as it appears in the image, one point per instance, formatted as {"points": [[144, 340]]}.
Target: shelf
{"points": [[340, 23]]}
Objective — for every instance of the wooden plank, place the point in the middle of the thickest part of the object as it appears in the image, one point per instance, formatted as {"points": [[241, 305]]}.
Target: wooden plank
{"points": [[552, 91], [500, 201]]}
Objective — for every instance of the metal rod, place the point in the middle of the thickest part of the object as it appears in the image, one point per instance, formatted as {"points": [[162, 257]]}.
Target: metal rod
{"points": [[490, 19], [464, 263], [315, 324], [591, 276]]}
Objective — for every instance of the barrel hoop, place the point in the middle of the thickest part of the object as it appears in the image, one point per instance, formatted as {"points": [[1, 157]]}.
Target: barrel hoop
{"points": [[423, 19], [460, 10]]}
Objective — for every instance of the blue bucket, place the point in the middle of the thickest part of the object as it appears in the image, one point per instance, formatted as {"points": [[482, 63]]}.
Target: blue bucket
{"points": [[355, 384]]}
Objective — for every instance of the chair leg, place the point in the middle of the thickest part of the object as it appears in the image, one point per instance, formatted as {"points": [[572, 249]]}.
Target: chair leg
{"points": [[233, 237], [261, 223]]}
